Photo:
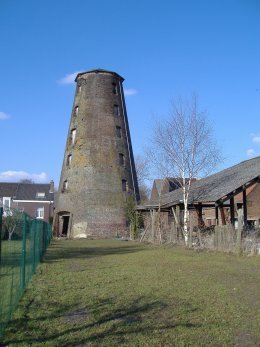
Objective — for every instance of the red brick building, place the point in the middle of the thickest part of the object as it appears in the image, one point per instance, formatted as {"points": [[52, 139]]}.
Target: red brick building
{"points": [[33, 198]]}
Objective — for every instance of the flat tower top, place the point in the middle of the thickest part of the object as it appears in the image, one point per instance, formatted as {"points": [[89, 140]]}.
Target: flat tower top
{"points": [[99, 71]]}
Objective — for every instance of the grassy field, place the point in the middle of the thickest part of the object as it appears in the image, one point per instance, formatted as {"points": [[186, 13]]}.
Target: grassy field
{"points": [[117, 293]]}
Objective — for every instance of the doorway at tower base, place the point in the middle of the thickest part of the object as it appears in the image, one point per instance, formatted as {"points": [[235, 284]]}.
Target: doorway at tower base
{"points": [[85, 230], [62, 224]]}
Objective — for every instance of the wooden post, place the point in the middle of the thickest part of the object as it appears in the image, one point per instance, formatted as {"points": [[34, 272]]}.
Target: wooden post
{"points": [[245, 208], [222, 214], [239, 230], [178, 214], [232, 211], [23, 258], [152, 221], [1, 213], [174, 228], [216, 214], [177, 211], [200, 218], [190, 231]]}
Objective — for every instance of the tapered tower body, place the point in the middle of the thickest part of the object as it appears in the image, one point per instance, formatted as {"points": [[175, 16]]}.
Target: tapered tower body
{"points": [[98, 172]]}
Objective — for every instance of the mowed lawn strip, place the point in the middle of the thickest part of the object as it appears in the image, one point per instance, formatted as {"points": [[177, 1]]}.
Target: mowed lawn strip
{"points": [[118, 293]]}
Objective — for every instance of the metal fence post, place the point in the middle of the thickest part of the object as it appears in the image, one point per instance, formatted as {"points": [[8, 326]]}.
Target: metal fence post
{"points": [[23, 253], [34, 230], [1, 214]]}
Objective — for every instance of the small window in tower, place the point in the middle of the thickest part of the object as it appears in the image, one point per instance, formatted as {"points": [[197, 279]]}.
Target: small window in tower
{"points": [[79, 89], [76, 110], [72, 136], [118, 132], [65, 186], [116, 110], [124, 186], [69, 160], [121, 159], [114, 86]]}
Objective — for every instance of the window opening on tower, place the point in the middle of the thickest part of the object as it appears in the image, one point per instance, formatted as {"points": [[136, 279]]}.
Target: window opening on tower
{"points": [[69, 160], [124, 185], [121, 159], [116, 110], [118, 131], [65, 186], [114, 88], [79, 89], [76, 110], [72, 136]]}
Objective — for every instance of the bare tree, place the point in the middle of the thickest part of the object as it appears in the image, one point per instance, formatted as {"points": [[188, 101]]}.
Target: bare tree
{"points": [[26, 180], [183, 147], [142, 172], [12, 221]]}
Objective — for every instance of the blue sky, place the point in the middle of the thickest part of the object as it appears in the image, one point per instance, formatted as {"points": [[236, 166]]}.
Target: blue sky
{"points": [[163, 49]]}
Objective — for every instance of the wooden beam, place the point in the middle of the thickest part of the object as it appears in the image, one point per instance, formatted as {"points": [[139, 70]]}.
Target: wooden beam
{"points": [[200, 217], [245, 207], [239, 190], [216, 214], [177, 211], [232, 211], [222, 214]]}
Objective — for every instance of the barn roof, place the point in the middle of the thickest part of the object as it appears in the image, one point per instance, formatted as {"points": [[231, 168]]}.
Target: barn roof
{"points": [[217, 186]]}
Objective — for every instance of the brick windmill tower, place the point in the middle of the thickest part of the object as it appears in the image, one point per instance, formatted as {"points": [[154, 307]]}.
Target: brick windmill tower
{"points": [[98, 172]]}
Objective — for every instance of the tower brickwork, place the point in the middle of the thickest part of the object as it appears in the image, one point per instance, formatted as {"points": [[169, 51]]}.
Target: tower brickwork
{"points": [[98, 172]]}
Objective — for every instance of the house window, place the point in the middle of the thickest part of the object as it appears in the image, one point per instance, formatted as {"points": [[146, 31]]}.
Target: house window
{"points": [[40, 213], [65, 186], [124, 186], [6, 203], [72, 136], [40, 195], [121, 159], [69, 160], [116, 110], [118, 132], [76, 110], [114, 86]]}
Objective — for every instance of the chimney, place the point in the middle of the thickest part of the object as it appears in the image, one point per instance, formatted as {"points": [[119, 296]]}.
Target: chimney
{"points": [[51, 186]]}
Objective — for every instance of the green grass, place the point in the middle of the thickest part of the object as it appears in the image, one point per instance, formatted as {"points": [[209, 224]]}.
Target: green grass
{"points": [[10, 290], [115, 293]]}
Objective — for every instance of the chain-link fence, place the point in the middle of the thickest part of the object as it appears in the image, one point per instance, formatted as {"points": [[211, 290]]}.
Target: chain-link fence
{"points": [[23, 242]]}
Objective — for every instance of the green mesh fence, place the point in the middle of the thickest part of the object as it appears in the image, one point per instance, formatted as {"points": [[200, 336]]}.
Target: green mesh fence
{"points": [[23, 242]]}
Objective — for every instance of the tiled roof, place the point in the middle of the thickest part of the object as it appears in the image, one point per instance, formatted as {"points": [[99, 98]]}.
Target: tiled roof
{"points": [[217, 186], [25, 191]]}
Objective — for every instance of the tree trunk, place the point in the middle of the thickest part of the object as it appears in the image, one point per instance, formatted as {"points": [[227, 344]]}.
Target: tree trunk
{"points": [[185, 224]]}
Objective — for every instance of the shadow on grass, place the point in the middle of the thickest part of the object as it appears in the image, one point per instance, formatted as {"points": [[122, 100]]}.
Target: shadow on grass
{"points": [[102, 322], [61, 250]]}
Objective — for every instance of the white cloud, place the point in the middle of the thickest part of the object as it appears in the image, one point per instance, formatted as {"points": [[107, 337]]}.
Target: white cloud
{"points": [[251, 153], [130, 91], [256, 139], [69, 78], [4, 116], [16, 176]]}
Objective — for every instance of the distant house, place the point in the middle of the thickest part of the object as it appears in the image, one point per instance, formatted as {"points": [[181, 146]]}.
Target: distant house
{"points": [[165, 185], [33, 198]]}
